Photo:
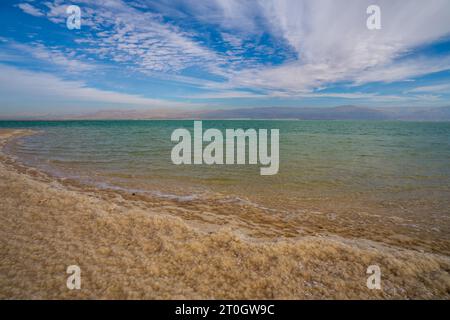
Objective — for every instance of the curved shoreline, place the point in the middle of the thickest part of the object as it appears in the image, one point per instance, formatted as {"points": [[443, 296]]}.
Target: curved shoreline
{"points": [[126, 251], [211, 210]]}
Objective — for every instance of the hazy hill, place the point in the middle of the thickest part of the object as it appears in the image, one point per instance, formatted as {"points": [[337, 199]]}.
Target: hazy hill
{"points": [[300, 113], [430, 114], [337, 113]]}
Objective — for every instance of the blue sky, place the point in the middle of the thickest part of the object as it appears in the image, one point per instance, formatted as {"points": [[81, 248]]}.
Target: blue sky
{"points": [[190, 54]]}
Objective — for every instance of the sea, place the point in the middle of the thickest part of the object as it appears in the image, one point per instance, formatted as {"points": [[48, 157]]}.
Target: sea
{"points": [[371, 179]]}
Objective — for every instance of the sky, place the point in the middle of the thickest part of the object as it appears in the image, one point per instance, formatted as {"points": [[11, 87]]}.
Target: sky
{"points": [[217, 54]]}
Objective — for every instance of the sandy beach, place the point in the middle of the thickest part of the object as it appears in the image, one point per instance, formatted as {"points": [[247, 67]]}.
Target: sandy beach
{"points": [[127, 252]]}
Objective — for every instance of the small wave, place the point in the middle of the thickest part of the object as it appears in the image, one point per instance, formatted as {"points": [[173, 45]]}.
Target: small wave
{"points": [[77, 162], [241, 201], [158, 194]]}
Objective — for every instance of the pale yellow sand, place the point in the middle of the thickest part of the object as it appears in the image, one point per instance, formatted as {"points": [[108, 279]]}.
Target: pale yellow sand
{"points": [[127, 252]]}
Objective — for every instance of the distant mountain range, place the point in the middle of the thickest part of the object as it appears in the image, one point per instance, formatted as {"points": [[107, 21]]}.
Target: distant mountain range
{"points": [[337, 113], [300, 113]]}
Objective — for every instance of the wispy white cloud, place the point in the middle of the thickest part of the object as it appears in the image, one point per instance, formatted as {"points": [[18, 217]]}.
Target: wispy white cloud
{"points": [[403, 70], [55, 56], [44, 88], [29, 9], [329, 38], [125, 34], [439, 88], [334, 45], [228, 95]]}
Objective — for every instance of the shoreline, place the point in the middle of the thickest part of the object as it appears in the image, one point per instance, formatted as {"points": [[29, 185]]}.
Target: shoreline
{"points": [[129, 252]]}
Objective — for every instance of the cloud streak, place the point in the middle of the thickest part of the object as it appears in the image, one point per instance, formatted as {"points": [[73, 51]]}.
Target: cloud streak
{"points": [[29, 9], [44, 88], [256, 49]]}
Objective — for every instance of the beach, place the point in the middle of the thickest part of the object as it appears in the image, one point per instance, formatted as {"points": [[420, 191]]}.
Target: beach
{"points": [[126, 251]]}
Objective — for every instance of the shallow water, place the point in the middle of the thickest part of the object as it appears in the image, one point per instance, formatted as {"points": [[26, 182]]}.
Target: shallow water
{"points": [[133, 249], [354, 178]]}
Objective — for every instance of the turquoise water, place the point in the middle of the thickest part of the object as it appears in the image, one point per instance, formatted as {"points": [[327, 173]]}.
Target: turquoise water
{"points": [[323, 164]]}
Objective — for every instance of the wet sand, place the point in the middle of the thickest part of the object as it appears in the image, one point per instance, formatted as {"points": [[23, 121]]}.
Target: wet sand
{"points": [[127, 251]]}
